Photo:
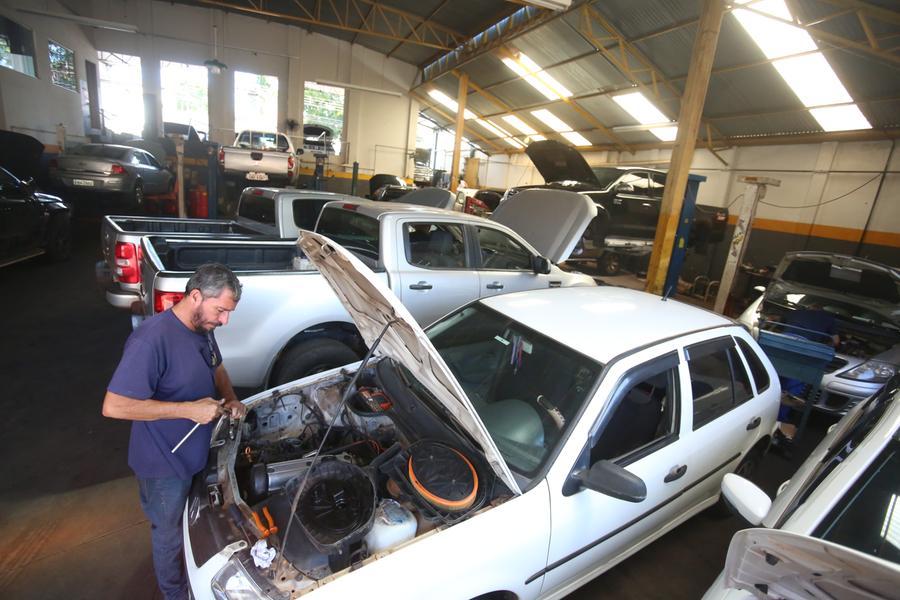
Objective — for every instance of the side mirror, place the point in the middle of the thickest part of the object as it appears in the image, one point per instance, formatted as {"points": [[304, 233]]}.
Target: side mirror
{"points": [[540, 265], [759, 288], [609, 478], [625, 188], [749, 501]]}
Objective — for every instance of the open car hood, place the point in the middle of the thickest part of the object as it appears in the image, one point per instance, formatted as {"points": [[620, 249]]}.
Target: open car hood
{"points": [[552, 221], [558, 162], [771, 563], [372, 306]]}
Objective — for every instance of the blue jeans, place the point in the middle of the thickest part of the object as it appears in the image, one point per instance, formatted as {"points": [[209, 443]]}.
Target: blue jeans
{"points": [[163, 501]]}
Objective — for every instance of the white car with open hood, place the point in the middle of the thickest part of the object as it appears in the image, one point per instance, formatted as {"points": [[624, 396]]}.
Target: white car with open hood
{"points": [[833, 531], [521, 446]]}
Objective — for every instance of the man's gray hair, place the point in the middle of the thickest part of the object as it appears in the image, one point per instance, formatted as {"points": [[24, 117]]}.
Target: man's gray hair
{"points": [[211, 279]]}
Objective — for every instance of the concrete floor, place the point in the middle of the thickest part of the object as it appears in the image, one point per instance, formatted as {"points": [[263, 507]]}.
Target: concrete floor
{"points": [[70, 522]]}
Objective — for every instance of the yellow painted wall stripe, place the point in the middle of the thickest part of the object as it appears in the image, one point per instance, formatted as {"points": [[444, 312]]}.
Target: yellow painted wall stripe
{"points": [[831, 232]]}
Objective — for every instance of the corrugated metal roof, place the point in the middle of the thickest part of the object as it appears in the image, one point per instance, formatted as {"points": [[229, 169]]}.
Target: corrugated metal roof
{"points": [[552, 43]]}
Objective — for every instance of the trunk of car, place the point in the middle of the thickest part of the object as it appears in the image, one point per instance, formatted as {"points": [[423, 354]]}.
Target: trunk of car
{"points": [[87, 165]]}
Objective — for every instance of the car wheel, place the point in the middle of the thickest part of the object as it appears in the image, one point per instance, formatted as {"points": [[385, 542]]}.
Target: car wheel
{"points": [[610, 264], [59, 239], [311, 357], [137, 196]]}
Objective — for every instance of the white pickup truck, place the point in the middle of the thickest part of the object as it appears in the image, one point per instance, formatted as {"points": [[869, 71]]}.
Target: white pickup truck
{"points": [[262, 212], [289, 323], [260, 156]]}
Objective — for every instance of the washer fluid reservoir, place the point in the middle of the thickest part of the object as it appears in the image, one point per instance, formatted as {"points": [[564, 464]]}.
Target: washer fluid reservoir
{"points": [[394, 524]]}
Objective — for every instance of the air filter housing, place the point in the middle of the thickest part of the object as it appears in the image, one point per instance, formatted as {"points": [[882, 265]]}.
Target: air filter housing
{"points": [[442, 476]]}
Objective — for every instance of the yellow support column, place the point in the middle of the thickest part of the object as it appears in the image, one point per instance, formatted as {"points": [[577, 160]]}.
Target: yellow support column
{"points": [[688, 126]]}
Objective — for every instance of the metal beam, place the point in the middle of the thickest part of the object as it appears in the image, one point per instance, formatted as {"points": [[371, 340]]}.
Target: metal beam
{"points": [[427, 19], [870, 10], [380, 21]]}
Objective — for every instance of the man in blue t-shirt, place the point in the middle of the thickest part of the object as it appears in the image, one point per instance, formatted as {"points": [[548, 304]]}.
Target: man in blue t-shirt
{"points": [[169, 379]]}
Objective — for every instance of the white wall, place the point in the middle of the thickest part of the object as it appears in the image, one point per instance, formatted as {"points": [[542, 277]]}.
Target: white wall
{"points": [[33, 105], [379, 130]]}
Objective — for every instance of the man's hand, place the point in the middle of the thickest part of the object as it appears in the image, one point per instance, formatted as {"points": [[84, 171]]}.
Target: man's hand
{"points": [[204, 410], [236, 409]]}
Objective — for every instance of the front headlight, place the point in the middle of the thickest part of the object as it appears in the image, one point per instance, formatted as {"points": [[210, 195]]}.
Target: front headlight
{"points": [[233, 583], [871, 371]]}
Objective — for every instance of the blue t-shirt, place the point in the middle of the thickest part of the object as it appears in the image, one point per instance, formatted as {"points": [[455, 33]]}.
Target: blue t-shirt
{"points": [[165, 360]]}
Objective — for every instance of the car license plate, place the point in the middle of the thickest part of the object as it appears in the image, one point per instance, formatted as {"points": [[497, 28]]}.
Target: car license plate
{"points": [[254, 176], [83, 182]]}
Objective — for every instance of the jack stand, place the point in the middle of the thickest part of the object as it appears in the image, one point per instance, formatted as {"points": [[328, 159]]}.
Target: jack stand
{"points": [[754, 191]]}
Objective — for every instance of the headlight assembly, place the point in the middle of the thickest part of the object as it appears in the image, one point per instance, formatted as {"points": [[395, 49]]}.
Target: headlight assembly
{"points": [[871, 371], [233, 583]]}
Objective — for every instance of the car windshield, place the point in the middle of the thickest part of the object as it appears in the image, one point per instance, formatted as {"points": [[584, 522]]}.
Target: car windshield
{"points": [[867, 518], [606, 175], [526, 387], [100, 151], [849, 432], [857, 281]]}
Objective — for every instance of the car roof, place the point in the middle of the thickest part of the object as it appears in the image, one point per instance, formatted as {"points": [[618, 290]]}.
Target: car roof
{"points": [[603, 322], [376, 209], [271, 192]]}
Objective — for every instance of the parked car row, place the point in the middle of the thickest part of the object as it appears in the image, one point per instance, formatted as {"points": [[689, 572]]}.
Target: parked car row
{"points": [[32, 223]]}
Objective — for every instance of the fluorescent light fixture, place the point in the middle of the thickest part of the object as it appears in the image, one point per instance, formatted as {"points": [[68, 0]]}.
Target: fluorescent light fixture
{"points": [[539, 79], [520, 125], [840, 118], [576, 138], [498, 131], [362, 88], [87, 21], [637, 105], [450, 103], [810, 76], [551, 120]]}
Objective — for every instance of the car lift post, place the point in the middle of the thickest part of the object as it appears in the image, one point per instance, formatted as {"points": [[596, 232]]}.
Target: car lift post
{"points": [[179, 158], [754, 191]]}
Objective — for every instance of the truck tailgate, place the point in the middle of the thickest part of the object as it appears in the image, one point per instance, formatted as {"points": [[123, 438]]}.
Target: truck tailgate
{"points": [[256, 163]]}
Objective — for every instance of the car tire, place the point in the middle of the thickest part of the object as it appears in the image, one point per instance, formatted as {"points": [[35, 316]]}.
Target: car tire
{"points": [[59, 239], [746, 468], [311, 357], [137, 195], [610, 264]]}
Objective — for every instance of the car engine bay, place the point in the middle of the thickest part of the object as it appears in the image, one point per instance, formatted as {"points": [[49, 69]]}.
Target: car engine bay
{"points": [[391, 468]]}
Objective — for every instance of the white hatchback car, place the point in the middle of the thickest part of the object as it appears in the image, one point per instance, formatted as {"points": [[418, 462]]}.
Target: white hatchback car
{"points": [[833, 531], [523, 445]]}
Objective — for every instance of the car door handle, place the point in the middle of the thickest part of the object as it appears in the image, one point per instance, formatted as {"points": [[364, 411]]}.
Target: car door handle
{"points": [[495, 286], [754, 424], [675, 473], [422, 285]]}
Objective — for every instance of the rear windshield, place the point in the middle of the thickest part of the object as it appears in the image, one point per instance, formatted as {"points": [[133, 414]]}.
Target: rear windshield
{"points": [[259, 140], [306, 211], [355, 232], [100, 151], [857, 281], [257, 208]]}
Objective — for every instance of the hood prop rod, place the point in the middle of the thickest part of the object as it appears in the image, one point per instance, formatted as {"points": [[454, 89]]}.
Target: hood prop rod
{"points": [[340, 409]]}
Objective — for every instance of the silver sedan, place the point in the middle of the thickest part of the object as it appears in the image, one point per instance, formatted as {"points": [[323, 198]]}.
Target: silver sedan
{"points": [[107, 168]]}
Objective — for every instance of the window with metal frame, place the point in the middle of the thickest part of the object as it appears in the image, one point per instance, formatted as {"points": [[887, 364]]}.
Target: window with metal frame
{"points": [[501, 252], [757, 368], [16, 47], [435, 245], [719, 381], [62, 66]]}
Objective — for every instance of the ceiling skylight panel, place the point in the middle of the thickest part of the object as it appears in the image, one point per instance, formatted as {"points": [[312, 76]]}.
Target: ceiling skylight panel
{"points": [[450, 103], [774, 37], [514, 142], [813, 80], [499, 132], [637, 105], [666, 134], [536, 137], [544, 76], [551, 120], [840, 118], [576, 138], [520, 125]]}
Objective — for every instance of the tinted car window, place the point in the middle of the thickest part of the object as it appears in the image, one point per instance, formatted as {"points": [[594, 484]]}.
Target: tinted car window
{"points": [[657, 184], [7, 181], [435, 245], [306, 212], [718, 379], [760, 375], [500, 251], [257, 208], [606, 175], [639, 183], [868, 516], [645, 413], [357, 233]]}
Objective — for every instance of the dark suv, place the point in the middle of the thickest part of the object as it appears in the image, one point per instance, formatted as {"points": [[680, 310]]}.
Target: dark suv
{"points": [[628, 198]]}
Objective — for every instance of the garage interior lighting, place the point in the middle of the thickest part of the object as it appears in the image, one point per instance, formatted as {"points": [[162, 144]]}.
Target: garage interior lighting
{"points": [[560, 127], [637, 105], [450, 103], [500, 133], [809, 76], [520, 125], [539, 79]]}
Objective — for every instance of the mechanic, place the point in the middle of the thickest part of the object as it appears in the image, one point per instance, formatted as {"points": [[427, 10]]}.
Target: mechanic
{"points": [[171, 377], [808, 322]]}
